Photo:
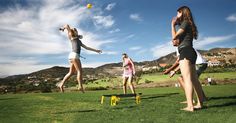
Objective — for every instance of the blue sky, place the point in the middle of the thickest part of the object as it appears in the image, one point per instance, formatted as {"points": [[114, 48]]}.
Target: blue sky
{"points": [[30, 40]]}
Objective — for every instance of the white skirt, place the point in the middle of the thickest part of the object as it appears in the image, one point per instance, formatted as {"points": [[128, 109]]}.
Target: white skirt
{"points": [[73, 55]]}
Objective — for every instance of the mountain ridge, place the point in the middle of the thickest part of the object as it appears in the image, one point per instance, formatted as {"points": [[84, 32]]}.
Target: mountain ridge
{"points": [[56, 73]]}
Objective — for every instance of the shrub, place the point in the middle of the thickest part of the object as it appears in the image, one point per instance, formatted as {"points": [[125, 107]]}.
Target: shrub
{"points": [[45, 88], [148, 81]]}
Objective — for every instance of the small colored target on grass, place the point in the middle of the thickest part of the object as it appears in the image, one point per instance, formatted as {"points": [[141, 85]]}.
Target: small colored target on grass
{"points": [[89, 5], [138, 99]]}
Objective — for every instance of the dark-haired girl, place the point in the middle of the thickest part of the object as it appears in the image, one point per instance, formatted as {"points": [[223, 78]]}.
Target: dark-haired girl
{"points": [[183, 38]]}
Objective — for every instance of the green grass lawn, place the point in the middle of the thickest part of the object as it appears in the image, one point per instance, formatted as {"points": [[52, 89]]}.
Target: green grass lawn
{"points": [[114, 82], [159, 77], [158, 105]]}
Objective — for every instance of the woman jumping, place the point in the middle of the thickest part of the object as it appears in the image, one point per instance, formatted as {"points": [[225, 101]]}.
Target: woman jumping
{"points": [[74, 56]]}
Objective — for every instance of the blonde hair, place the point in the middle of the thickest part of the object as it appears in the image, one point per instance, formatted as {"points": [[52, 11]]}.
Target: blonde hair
{"points": [[74, 32]]}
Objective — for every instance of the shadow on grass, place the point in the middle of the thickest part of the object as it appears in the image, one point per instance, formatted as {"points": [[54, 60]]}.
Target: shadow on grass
{"points": [[153, 96], [143, 97], [76, 111], [222, 105], [226, 97], [8, 99], [124, 107]]}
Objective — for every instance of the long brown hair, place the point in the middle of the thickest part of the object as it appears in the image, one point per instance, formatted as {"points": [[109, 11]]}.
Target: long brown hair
{"points": [[187, 16]]}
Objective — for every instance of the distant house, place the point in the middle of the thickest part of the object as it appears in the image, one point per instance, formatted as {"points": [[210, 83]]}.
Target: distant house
{"points": [[58, 79], [150, 68], [146, 69], [214, 62], [31, 77], [155, 67], [36, 84]]}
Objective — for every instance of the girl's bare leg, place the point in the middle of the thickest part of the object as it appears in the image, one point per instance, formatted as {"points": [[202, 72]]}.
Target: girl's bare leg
{"points": [[181, 82], [67, 76], [124, 84], [198, 88], [185, 67], [130, 81], [78, 67]]}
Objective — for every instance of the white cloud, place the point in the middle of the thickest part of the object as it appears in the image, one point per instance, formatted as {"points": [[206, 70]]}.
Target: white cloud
{"points": [[33, 32], [21, 66], [207, 41], [94, 64], [110, 52], [135, 48], [130, 36], [115, 30], [104, 21], [93, 40], [110, 6], [142, 51], [163, 49], [231, 18], [135, 17]]}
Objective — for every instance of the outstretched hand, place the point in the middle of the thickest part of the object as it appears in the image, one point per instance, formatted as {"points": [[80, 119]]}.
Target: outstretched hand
{"points": [[62, 29], [99, 51]]}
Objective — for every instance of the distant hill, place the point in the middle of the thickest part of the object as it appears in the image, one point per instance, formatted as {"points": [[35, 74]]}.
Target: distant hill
{"points": [[218, 50], [56, 73]]}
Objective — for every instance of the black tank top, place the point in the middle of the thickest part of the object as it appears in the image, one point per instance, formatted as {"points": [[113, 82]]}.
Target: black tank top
{"points": [[76, 45]]}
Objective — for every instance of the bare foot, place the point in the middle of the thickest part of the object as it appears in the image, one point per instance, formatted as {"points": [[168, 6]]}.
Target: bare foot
{"points": [[197, 107], [81, 89], [186, 102], [62, 89], [189, 109], [60, 86]]}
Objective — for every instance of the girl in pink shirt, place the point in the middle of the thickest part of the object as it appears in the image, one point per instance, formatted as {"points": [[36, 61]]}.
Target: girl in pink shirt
{"points": [[129, 72]]}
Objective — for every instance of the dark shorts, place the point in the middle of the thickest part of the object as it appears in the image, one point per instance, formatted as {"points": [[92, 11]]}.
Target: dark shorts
{"points": [[188, 53]]}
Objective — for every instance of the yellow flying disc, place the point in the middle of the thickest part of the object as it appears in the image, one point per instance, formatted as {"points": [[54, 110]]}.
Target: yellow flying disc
{"points": [[89, 6]]}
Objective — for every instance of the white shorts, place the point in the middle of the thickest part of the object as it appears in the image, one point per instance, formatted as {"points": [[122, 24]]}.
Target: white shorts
{"points": [[127, 75], [73, 55]]}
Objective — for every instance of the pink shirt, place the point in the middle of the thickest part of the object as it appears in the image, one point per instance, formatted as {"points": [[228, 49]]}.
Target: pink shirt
{"points": [[128, 69]]}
